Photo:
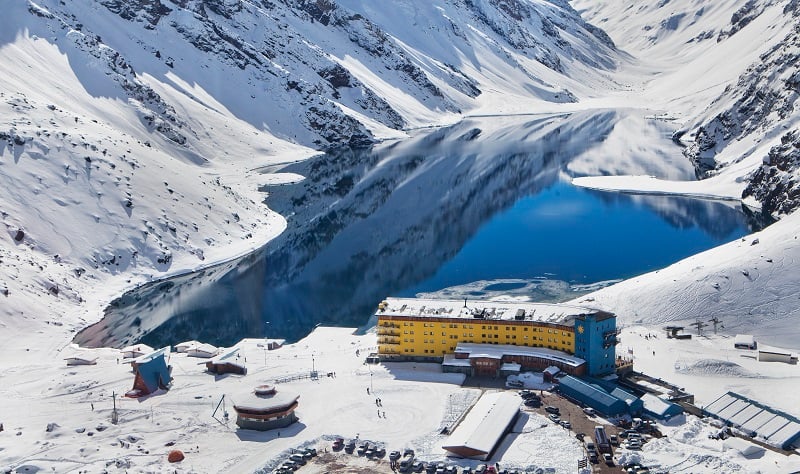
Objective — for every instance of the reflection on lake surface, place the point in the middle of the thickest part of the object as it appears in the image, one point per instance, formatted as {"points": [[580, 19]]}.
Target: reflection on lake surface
{"points": [[482, 200]]}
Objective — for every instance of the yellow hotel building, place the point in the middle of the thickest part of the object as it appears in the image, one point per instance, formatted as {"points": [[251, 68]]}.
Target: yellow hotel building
{"points": [[424, 329]]}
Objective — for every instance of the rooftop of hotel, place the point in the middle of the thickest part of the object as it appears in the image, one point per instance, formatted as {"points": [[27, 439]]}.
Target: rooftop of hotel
{"points": [[498, 351], [484, 310]]}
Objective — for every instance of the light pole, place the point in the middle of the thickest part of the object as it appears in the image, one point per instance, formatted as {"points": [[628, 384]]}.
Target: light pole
{"points": [[266, 342]]}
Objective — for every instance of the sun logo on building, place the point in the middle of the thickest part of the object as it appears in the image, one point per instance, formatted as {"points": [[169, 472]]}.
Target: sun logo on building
{"points": [[580, 328]]}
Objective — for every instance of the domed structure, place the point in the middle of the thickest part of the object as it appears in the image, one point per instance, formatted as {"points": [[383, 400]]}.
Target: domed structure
{"points": [[266, 409]]}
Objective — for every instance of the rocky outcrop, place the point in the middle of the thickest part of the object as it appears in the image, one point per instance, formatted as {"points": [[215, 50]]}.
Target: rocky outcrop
{"points": [[776, 184]]}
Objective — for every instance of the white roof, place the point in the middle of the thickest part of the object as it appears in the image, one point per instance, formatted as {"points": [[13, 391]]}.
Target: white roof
{"points": [[202, 350], [184, 346], [136, 349], [229, 357], [654, 404], [775, 427], [755, 423], [783, 435], [152, 355], [733, 409], [511, 366], [279, 399], [743, 416], [497, 351], [450, 360], [743, 339], [492, 310], [719, 404], [485, 423]]}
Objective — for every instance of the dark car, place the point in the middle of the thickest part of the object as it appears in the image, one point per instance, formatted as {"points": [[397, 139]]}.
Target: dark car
{"points": [[418, 467], [350, 446], [552, 409], [394, 455]]}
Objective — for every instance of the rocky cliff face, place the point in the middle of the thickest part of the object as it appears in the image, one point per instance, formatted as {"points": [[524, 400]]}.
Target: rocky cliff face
{"points": [[763, 98], [776, 184]]}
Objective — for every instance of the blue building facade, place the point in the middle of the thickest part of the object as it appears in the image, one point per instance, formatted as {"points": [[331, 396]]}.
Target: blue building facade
{"points": [[596, 341], [592, 396]]}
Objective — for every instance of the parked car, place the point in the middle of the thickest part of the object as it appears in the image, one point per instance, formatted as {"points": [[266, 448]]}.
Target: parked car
{"points": [[554, 417], [533, 403], [394, 455], [298, 458], [338, 444], [417, 466], [593, 457], [552, 409], [515, 384], [614, 440], [608, 459], [380, 452], [350, 446], [311, 451], [566, 424], [589, 411], [481, 469], [590, 446]]}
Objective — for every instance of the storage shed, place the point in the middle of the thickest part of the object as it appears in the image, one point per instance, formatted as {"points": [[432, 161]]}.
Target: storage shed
{"points": [[485, 425], [229, 362], [590, 395], [744, 341], [659, 408], [776, 356]]}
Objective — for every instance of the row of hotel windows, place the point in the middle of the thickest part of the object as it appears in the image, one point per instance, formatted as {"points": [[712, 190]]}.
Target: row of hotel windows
{"points": [[551, 343], [487, 336], [490, 327], [451, 349], [444, 333]]}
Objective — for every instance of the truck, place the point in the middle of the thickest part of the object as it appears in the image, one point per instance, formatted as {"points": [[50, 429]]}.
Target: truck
{"points": [[601, 438]]}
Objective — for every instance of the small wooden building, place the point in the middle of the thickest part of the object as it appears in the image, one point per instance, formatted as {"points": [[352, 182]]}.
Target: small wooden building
{"points": [[152, 373], [229, 362]]}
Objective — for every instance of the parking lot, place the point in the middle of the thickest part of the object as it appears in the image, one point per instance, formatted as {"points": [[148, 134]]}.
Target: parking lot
{"points": [[581, 423]]}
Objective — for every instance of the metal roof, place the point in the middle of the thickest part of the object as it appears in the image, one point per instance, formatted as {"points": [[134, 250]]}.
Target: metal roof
{"points": [[485, 424]]}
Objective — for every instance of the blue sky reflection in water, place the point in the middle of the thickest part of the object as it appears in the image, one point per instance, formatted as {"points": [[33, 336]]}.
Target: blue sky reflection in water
{"points": [[582, 236]]}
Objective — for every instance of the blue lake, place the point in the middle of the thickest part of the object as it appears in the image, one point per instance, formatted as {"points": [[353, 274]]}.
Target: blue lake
{"points": [[581, 236], [486, 200]]}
